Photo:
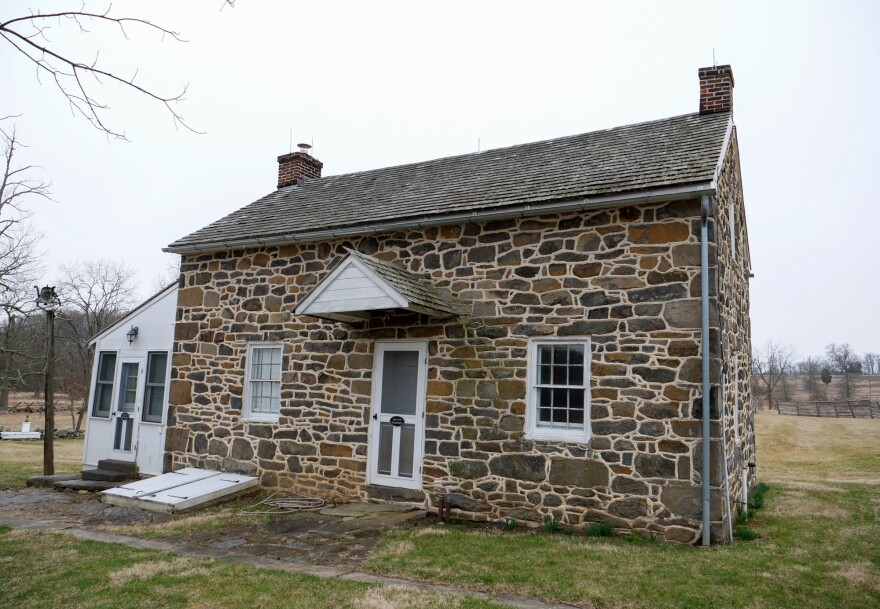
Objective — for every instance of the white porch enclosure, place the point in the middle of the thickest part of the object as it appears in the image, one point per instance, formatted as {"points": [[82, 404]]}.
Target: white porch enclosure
{"points": [[128, 400]]}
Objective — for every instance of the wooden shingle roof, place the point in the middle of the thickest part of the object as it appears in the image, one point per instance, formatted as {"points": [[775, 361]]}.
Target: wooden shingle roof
{"points": [[676, 151]]}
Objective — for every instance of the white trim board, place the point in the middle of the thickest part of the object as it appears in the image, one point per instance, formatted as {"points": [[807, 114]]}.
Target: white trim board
{"points": [[20, 435], [178, 491]]}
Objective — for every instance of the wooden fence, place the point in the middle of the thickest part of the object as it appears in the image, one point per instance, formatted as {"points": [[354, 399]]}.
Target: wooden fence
{"points": [[849, 409]]}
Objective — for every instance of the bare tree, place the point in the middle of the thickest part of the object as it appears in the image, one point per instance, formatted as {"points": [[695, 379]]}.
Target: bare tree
{"points": [[20, 259], [843, 359], [771, 365], [169, 274], [811, 368], [19, 241], [871, 363], [96, 294]]}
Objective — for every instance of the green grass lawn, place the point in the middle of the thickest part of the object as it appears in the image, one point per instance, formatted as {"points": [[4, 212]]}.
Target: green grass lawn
{"points": [[40, 570], [21, 459], [818, 546]]}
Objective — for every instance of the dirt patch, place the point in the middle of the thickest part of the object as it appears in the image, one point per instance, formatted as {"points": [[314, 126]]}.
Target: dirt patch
{"points": [[861, 573], [797, 502], [301, 537], [179, 567], [395, 597]]}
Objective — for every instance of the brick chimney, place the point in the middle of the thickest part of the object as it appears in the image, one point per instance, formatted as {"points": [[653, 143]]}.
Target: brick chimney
{"points": [[716, 90], [295, 166]]}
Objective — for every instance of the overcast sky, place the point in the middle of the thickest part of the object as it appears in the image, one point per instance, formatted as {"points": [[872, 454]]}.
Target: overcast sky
{"points": [[379, 84]]}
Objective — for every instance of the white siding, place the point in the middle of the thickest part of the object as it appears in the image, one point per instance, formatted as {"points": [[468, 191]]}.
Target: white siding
{"points": [[352, 290]]}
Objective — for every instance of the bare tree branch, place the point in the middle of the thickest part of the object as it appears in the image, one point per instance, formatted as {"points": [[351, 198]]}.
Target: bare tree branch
{"points": [[28, 36]]}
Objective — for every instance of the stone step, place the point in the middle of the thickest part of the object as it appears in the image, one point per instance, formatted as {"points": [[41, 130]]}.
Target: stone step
{"points": [[86, 485], [49, 481], [117, 465], [104, 475]]}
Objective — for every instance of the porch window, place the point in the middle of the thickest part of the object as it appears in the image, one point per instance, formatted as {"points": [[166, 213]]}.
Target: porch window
{"points": [[559, 390], [154, 393], [263, 393], [104, 385]]}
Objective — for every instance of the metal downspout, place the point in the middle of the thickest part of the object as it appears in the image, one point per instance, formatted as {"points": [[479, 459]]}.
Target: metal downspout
{"points": [[704, 341]]}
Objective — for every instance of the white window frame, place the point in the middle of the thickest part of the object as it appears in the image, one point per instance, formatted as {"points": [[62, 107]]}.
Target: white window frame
{"points": [[101, 414], [247, 413], [534, 431], [150, 388]]}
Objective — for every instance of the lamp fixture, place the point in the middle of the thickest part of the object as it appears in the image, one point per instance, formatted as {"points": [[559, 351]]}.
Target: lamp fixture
{"points": [[132, 334]]}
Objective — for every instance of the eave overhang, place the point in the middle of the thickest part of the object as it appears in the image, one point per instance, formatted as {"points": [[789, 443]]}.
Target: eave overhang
{"points": [[655, 195]]}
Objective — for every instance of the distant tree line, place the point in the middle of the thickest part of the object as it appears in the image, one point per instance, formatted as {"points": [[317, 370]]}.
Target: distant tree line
{"points": [[775, 364]]}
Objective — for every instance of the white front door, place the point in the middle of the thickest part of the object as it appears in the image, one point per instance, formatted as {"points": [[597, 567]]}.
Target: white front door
{"points": [[397, 421], [126, 409]]}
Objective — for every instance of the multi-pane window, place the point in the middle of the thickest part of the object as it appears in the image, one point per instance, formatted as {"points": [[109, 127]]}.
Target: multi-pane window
{"points": [[263, 381], [128, 383], [154, 392], [104, 385], [559, 389]]}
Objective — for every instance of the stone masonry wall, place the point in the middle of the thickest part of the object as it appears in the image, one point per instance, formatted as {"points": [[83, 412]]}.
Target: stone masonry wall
{"points": [[628, 278], [734, 267]]}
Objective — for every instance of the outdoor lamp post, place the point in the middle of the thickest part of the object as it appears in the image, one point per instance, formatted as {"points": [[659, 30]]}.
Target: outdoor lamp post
{"points": [[48, 301]]}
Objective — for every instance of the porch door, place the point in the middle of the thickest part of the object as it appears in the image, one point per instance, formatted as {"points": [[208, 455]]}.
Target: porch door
{"points": [[125, 419], [397, 422]]}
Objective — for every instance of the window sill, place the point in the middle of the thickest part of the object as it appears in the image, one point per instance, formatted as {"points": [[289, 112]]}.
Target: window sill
{"points": [[270, 420], [547, 436]]}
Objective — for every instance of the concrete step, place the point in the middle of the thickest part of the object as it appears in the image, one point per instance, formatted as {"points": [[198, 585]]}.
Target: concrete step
{"points": [[86, 485], [104, 475], [117, 465], [49, 481]]}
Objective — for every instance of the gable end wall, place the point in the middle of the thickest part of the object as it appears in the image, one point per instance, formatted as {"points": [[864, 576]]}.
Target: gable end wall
{"points": [[733, 306]]}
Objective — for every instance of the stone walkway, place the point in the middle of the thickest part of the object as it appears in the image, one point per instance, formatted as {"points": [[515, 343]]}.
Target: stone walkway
{"points": [[328, 543]]}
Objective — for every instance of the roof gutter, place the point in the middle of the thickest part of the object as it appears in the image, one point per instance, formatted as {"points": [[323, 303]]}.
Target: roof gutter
{"points": [[519, 211]]}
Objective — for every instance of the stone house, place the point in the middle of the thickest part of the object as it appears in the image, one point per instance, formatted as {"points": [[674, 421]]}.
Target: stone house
{"points": [[517, 332]]}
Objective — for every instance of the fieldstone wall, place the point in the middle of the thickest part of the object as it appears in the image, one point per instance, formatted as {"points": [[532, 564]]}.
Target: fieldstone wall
{"points": [[628, 278], [734, 264]]}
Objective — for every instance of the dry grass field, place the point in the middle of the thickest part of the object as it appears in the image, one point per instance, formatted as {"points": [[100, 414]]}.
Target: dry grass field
{"points": [[21, 459], [811, 449]]}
